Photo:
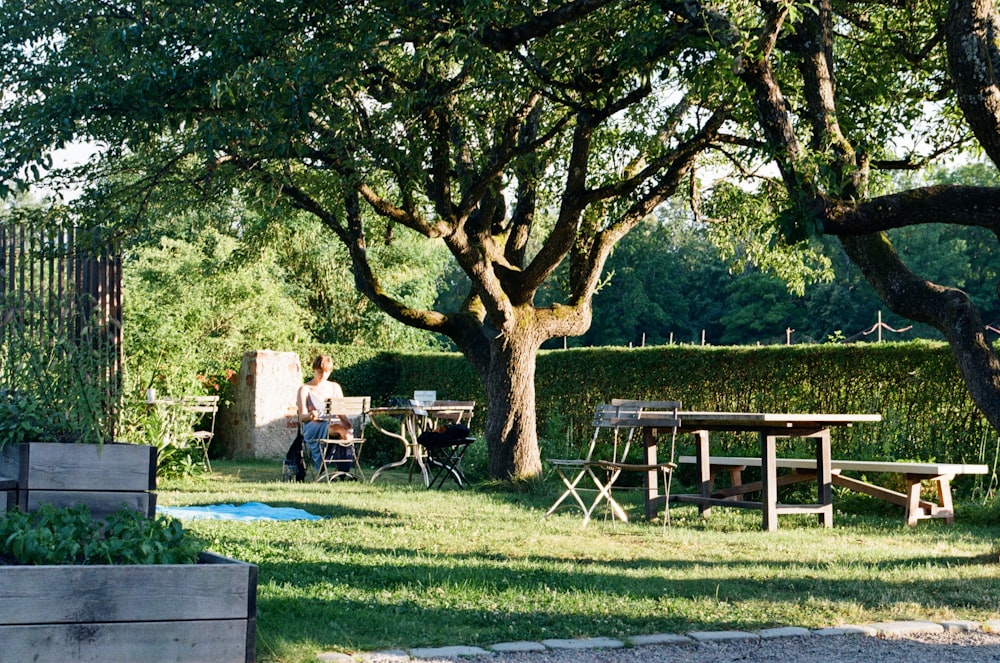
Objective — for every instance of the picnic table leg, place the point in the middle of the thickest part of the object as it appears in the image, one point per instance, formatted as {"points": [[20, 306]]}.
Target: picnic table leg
{"points": [[652, 485], [824, 478], [769, 482], [704, 470]]}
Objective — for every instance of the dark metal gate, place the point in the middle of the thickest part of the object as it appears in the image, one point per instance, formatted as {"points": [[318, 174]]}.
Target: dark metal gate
{"points": [[60, 290]]}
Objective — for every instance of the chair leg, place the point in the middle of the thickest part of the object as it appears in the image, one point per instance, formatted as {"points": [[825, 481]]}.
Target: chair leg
{"points": [[447, 460], [570, 490], [667, 477], [604, 493]]}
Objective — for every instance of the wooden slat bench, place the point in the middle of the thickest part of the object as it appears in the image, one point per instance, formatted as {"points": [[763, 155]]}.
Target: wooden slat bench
{"points": [[804, 469]]}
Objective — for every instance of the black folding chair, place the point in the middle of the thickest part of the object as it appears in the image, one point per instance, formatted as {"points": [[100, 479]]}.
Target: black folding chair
{"points": [[444, 452]]}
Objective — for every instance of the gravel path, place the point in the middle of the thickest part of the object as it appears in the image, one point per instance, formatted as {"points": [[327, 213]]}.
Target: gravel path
{"points": [[975, 646]]}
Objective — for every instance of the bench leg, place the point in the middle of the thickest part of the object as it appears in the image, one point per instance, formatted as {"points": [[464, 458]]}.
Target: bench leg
{"points": [[735, 481], [917, 509], [824, 478], [944, 495]]}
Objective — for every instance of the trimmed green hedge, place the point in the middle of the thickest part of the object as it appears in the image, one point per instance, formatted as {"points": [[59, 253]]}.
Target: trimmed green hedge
{"points": [[927, 413]]}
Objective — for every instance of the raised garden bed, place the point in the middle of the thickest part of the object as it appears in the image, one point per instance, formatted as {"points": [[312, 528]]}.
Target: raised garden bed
{"points": [[104, 477], [170, 612]]}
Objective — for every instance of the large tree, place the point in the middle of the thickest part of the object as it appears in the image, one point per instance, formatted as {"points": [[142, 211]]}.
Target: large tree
{"points": [[844, 90], [522, 136]]}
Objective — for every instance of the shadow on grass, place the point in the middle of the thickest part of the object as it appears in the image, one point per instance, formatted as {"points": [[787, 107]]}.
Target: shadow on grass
{"points": [[439, 599]]}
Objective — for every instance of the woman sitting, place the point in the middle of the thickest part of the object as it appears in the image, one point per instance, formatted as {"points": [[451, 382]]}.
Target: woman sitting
{"points": [[316, 423]]}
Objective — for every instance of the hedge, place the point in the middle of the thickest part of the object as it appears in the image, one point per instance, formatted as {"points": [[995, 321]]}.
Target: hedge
{"points": [[927, 413]]}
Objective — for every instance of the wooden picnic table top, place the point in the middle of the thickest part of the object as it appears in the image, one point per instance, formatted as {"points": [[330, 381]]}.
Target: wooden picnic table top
{"points": [[741, 421]]}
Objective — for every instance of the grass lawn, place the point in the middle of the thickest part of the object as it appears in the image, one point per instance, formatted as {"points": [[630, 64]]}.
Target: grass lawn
{"points": [[393, 565]]}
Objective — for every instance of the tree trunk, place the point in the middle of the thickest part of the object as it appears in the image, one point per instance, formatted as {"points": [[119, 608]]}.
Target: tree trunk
{"points": [[510, 421], [947, 309]]}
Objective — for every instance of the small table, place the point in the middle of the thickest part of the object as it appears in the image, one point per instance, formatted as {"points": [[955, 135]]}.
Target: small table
{"points": [[769, 427], [414, 419]]}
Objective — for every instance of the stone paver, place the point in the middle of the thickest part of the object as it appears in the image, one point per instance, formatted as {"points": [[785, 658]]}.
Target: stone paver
{"points": [[784, 632], [523, 645], [583, 643], [961, 626], [721, 636], [905, 627], [849, 629], [388, 655], [334, 657], [659, 639], [444, 652]]}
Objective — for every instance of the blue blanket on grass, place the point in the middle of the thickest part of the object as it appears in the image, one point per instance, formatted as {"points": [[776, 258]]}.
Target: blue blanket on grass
{"points": [[248, 511]]}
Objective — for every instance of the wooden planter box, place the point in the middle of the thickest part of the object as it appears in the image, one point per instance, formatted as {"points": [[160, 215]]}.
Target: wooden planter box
{"points": [[104, 477], [172, 612]]}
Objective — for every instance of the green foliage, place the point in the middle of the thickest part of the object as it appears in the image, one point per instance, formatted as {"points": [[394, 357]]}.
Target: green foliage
{"points": [[167, 428], [71, 535], [189, 312], [49, 388]]}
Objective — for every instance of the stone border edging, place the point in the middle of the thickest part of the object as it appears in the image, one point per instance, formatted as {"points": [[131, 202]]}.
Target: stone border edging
{"points": [[693, 637]]}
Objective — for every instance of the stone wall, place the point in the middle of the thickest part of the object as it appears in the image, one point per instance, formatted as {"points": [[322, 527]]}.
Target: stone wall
{"points": [[260, 422]]}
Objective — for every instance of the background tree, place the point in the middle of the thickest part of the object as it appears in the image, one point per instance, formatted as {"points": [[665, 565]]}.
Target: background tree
{"points": [[839, 91], [518, 139]]}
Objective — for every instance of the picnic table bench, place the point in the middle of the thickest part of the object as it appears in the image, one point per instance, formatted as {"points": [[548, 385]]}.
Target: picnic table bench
{"points": [[804, 469]]}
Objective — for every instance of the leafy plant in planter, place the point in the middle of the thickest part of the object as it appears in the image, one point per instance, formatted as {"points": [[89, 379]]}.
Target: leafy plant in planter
{"points": [[71, 535], [52, 390], [75, 588]]}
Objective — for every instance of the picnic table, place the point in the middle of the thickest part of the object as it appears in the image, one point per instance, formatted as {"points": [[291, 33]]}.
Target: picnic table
{"points": [[414, 418], [769, 427]]}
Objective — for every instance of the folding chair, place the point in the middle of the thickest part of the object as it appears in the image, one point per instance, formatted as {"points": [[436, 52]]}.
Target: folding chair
{"points": [[204, 407], [574, 471], [622, 420], [445, 449], [339, 453]]}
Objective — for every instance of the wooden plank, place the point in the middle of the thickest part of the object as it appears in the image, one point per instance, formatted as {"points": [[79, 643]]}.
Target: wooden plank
{"points": [[100, 503], [219, 641], [50, 466], [104, 594], [924, 469], [708, 501]]}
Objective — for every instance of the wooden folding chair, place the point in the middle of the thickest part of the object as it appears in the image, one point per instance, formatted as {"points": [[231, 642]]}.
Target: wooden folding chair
{"points": [[622, 419], [356, 408], [574, 471], [204, 408]]}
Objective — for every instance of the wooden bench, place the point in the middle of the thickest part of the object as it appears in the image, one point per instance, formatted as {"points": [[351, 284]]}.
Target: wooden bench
{"points": [[804, 469]]}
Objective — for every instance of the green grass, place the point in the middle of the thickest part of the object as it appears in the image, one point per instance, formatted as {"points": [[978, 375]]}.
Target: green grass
{"points": [[393, 565]]}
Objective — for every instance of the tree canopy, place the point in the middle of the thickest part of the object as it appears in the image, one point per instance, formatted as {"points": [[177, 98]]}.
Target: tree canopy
{"points": [[526, 139]]}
